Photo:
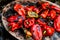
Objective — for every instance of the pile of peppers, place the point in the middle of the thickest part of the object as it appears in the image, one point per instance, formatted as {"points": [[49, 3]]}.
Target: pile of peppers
{"points": [[29, 17]]}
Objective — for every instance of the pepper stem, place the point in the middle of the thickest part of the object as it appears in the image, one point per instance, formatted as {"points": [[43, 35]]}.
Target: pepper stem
{"points": [[44, 32]]}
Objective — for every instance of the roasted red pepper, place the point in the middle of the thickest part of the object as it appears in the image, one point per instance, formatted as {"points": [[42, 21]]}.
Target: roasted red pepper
{"points": [[57, 24], [49, 31], [52, 14], [17, 7], [29, 8], [12, 19], [56, 8], [20, 10], [45, 13], [36, 32], [41, 22], [20, 20], [45, 5], [36, 10], [32, 8], [29, 22], [14, 26], [21, 13]]}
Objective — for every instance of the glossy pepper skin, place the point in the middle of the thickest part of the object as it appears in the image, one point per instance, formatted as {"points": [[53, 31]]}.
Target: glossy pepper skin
{"points": [[45, 5], [41, 22], [52, 14], [20, 21], [29, 8], [32, 8], [56, 8], [17, 7], [29, 22], [49, 30], [36, 10], [12, 19], [44, 13], [57, 24], [20, 10], [36, 32], [14, 26]]}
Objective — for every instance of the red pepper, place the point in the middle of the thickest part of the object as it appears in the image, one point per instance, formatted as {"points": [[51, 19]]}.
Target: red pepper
{"points": [[49, 31], [45, 13], [20, 10], [41, 22], [56, 8], [12, 19], [36, 32], [30, 8], [45, 5], [29, 22], [14, 26], [17, 7], [20, 21], [36, 10], [52, 13], [57, 24], [23, 10]]}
